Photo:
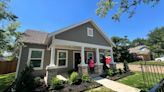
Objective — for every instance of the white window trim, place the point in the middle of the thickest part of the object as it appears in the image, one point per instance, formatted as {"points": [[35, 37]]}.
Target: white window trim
{"points": [[91, 35], [42, 58], [92, 55], [66, 58]]}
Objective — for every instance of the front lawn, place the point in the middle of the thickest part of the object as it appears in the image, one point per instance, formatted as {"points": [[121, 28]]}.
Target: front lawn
{"points": [[136, 80], [6, 80], [148, 63], [100, 89]]}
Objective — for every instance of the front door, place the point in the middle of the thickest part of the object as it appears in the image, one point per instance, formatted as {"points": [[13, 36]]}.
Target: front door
{"points": [[77, 60]]}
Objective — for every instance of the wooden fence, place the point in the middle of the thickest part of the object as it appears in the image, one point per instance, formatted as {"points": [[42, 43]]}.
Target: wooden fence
{"points": [[7, 67]]}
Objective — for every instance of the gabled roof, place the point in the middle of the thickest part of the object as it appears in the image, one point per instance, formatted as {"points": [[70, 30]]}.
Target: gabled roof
{"points": [[81, 23], [33, 36]]}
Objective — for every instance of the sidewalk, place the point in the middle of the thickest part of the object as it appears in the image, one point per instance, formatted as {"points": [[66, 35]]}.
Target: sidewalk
{"points": [[116, 86]]}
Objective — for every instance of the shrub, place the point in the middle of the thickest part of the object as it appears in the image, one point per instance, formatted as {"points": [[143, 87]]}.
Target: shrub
{"points": [[85, 78], [126, 67], [37, 81], [120, 71], [56, 83], [70, 71], [73, 77], [109, 72]]}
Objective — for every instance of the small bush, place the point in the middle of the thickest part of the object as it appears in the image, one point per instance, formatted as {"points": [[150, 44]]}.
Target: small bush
{"points": [[109, 72], [120, 71], [37, 81], [85, 78], [73, 77], [56, 83], [70, 71]]}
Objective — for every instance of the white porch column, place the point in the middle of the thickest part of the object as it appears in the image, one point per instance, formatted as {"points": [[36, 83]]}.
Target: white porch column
{"points": [[97, 56], [82, 56], [52, 61], [111, 54]]}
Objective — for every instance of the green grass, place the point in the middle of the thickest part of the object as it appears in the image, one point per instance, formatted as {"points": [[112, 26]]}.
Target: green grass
{"points": [[100, 89], [136, 80], [6, 80], [149, 63]]}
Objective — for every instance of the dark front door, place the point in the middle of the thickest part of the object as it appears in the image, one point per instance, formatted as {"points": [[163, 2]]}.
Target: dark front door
{"points": [[77, 60]]}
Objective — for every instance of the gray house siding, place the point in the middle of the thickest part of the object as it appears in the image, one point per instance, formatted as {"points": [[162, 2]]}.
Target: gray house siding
{"points": [[24, 58], [79, 34]]}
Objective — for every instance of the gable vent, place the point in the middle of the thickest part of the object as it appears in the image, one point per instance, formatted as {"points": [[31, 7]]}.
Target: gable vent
{"points": [[90, 32]]}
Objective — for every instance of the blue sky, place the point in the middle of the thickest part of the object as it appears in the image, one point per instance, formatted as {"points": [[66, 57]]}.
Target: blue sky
{"points": [[50, 15]]}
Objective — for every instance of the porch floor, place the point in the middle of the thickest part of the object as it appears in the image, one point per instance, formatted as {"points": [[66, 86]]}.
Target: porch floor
{"points": [[118, 87]]}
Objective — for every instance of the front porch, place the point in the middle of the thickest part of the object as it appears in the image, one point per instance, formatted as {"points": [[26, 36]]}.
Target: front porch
{"points": [[67, 55]]}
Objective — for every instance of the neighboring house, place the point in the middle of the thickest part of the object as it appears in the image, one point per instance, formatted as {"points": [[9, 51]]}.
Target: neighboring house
{"points": [[141, 52], [65, 49]]}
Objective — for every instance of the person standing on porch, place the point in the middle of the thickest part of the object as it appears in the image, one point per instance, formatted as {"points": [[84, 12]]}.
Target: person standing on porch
{"points": [[91, 64], [104, 63]]}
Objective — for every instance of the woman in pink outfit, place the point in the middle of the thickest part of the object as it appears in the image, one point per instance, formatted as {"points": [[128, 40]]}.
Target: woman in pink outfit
{"points": [[91, 64]]}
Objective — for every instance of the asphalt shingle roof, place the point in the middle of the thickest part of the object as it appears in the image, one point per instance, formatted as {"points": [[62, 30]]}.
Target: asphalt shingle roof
{"points": [[33, 36]]}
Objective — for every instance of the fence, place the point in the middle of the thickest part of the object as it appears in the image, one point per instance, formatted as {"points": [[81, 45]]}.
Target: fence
{"points": [[7, 67], [152, 75]]}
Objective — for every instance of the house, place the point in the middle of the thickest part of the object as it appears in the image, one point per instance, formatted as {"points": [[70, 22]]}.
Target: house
{"points": [[65, 49], [141, 52]]}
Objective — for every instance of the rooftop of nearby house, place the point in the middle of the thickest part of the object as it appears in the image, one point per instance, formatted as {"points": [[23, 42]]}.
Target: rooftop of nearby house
{"points": [[142, 49]]}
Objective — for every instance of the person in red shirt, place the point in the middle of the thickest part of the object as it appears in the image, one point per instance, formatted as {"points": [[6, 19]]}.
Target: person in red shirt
{"points": [[108, 60], [91, 64]]}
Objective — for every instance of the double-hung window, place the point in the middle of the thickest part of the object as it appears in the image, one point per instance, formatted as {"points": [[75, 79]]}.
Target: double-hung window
{"points": [[90, 32], [62, 58], [35, 58]]}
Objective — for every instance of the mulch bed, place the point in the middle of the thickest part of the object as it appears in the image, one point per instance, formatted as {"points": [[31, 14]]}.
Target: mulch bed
{"points": [[78, 87], [117, 76]]}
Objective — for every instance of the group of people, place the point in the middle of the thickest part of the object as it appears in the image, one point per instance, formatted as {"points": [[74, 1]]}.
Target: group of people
{"points": [[105, 60]]}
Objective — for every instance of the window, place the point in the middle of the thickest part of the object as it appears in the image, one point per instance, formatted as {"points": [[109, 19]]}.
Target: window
{"points": [[35, 58], [62, 58], [89, 54], [90, 32]]}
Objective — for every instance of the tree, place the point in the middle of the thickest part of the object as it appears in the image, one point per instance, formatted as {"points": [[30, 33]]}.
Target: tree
{"points": [[9, 37], [122, 6], [121, 52], [139, 41], [156, 41]]}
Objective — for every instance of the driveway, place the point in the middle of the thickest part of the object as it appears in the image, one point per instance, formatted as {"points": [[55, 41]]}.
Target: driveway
{"points": [[148, 68]]}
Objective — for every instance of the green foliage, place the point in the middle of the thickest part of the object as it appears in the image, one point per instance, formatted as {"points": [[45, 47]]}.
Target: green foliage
{"points": [[120, 71], [85, 78], [109, 72], [73, 77], [121, 52], [138, 42], [37, 80], [56, 83], [9, 37], [25, 81], [156, 41], [70, 71], [126, 67], [123, 6]]}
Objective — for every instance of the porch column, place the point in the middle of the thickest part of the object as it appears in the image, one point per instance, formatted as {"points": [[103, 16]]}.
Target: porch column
{"points": [[82, 56], [112, 64], [111, 54], [98, 65], [83, 68], [52, 61], [97, 56]]}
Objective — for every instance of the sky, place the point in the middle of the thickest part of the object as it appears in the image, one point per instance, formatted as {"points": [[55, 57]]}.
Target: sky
{"points": [[51, 15]]}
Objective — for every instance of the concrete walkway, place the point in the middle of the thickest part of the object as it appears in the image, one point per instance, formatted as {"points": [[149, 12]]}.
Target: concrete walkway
{"points": [[118, 87]]}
